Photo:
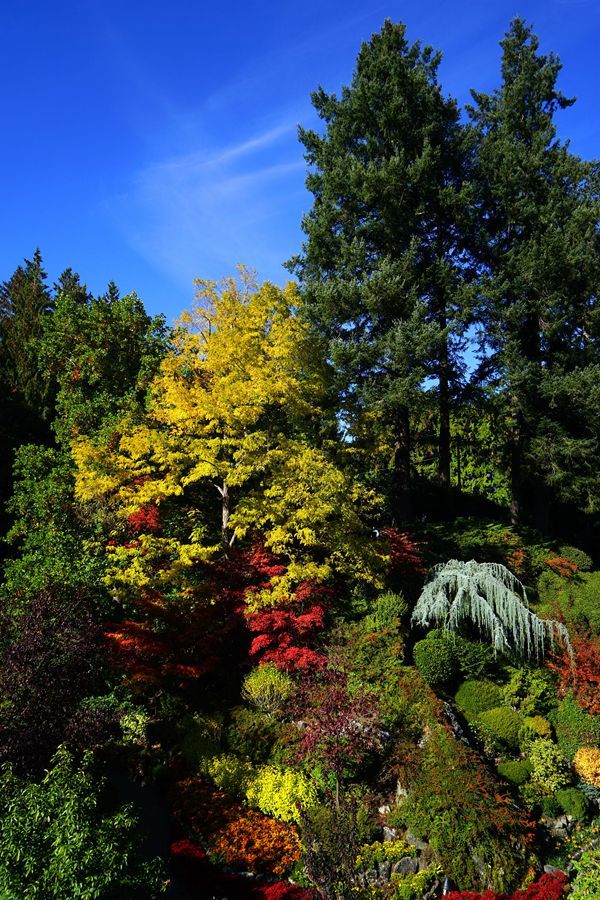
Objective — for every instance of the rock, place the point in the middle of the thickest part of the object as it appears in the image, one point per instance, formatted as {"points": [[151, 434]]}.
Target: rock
{"points": [[551, 870], [408, 865], [415, 841], [400, 791], [370, 876], [385, 870], [434, 891], [383, 810], [426, 859], [557, 827], [389, 834]]}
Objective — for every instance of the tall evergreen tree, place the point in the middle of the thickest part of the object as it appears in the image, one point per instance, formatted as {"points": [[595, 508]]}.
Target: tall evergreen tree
{"points": [[539, 248], [69, 284], [25, 301], [384, 257]]}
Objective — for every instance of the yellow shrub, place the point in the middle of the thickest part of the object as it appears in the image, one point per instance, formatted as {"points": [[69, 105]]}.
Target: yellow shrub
{"points": [[281, 793], [587, 765]]}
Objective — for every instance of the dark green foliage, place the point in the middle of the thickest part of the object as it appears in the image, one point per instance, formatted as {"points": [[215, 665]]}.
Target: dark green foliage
{"points": [[101, 354], [583, 562], [540, 255], [54, 546], [452, 804], [381, 265], [201, 737], [575, 727], [530, 690], [25, 304], [516, 771], [474, 657], [474, 697], [56, 841], [331, 838], [435, 658], [252, 734], [573, 803], [372, 657], [550, 807], [501, 725]]}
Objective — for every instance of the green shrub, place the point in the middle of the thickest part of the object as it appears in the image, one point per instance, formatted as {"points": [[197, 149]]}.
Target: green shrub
{"points": [[530, 691], [532, 728], [267, 688], [550, 771], [575, 727], [474, 657], [201, 738], [573, 803], [230, 773], [452, 803], [435, 658], [252, 733], [583, 562], [474, 697], [516, 771], [380, 851], [577, 598], [414, 887], [587, 880], [372, 658], [389, 609], [501, 724], [57, 839], [550, 806]]}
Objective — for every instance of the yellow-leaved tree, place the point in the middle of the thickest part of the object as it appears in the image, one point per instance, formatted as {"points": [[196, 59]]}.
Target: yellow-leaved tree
{"points": [[231, 445]]}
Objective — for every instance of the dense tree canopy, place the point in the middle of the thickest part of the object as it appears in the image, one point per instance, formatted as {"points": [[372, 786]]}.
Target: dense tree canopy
{"points": [[208, 608]]}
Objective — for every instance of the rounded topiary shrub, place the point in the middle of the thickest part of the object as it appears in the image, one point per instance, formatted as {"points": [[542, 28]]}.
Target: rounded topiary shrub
{"points": [[502, 724], [572, 803], [474, 697], [516, 771], [435, 658]]}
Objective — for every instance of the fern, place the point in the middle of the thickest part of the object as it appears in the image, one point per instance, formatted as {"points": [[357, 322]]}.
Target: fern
{"points": [[490, 598]]}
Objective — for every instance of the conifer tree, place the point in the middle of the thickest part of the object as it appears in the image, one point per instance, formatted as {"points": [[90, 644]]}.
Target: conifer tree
{"points": [[384, 255], [25, 301], [539, 248]]}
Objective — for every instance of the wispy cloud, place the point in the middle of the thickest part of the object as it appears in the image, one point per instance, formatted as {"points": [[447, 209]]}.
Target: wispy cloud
{"points": [[232, 204]]}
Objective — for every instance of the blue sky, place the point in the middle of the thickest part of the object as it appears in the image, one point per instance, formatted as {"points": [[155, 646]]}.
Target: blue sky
{"points": [[154, 142]]}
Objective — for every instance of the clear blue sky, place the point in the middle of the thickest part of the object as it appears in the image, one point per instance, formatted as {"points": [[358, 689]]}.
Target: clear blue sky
{"points": [[153, 142]]}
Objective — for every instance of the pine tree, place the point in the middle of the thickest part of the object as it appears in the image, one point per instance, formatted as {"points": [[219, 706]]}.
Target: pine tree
{"points": [[384, 256], [539, 249], [69, 284], [25, 301]]}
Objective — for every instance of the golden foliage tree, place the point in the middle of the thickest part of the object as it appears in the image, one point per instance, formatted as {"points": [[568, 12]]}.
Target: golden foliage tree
{"points": [[234, 415]]}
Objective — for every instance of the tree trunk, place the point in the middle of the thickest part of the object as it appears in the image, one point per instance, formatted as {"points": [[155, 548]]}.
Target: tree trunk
{"points": [[444, 452], [516, 486], [225, 511], [401, 492]]}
